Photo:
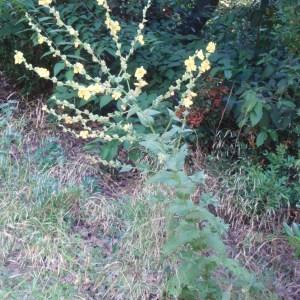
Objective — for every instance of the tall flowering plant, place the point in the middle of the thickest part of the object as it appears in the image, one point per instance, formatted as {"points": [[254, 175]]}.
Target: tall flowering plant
{"points": [[123, 87], [193, 241]]}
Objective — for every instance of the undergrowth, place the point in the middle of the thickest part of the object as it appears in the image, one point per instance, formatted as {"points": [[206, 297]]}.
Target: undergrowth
{"points": [[263, 186], [163, 241], [58, 241]]}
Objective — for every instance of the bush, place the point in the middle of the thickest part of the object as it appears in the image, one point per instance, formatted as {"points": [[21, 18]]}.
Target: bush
{"points": [[14, 33], [288, 25], [257, 57]]}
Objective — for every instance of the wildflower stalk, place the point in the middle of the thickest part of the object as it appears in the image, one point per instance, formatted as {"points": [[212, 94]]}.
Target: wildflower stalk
{"points": [[113, 126]]}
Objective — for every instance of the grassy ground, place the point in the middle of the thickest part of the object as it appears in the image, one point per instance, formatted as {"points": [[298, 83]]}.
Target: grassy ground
{"points": [[68, 231], [59, 237], [257, 239]]}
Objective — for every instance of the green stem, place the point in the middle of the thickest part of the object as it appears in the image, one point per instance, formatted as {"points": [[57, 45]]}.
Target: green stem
{"points": [[152, 129]]}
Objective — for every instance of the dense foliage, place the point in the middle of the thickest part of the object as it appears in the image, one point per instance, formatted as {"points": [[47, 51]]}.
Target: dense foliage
{"points": [[256, 74], [140, 97], [86, 83], [261, 64]]}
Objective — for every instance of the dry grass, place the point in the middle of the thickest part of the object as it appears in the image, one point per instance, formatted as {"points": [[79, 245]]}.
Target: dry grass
{"points": [[59, 240], [257, 241]]}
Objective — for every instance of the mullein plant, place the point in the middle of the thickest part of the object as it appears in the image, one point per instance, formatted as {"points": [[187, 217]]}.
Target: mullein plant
{"points": [[193, 235], [124, 88]]}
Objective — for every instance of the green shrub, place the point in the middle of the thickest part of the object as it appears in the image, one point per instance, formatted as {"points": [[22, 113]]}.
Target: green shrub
{"points": [[256, 58], [14, 33], [288, 24]]}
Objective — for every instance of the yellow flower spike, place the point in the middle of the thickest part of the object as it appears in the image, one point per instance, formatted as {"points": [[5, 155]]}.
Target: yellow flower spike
{"points": [[140, 84], [42, 72], [211, 47], [190, 64], [19, 58], [101, 2], [205, 66], [113, 26], [41, 39], [116, 95], [78, 68], [68, 120], [200, 55], [84, 134], [140, 73], [193, 95], [76, 43], [140, 39], [45, 2], [96, 89], [84, 93], [187, 102]]}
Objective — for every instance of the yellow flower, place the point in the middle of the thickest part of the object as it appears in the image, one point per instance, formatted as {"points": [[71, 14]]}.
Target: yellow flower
{"points": [[76, 43], [45, 2], [127, 127], [96, 88], [200, 55], [19, 58], [73, 32], [84, 134], [113, 26], [100, 2], [140, 73], [68, 120], [211, 47], [41, 39], [140, 84], [188, 99], [78, 68], [140, 39], [42, 72], [84, 93], [205, 66], [193, 95], [116, 95], [190, 64], [187, 102]]}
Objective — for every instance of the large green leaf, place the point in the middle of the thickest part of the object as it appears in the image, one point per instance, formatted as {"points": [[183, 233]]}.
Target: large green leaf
{"points": [[105, 100], [185, 233], [58, 68], [256, 114]]}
